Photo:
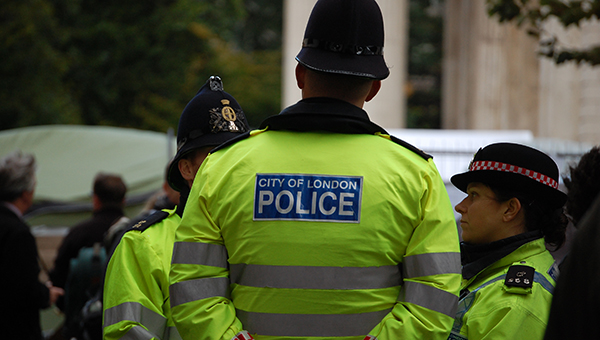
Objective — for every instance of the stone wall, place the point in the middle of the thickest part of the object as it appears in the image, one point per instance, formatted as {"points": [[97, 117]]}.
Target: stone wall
{"points": [[494, 78]]}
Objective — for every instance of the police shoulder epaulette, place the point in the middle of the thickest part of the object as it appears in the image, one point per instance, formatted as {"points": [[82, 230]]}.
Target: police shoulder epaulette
{"points": [[411, 147], [519, 275], [231, 141], [145, 223]]}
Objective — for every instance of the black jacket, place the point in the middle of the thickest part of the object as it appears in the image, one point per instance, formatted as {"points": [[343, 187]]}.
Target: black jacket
{"points": [[23, 295], [574, 313]]}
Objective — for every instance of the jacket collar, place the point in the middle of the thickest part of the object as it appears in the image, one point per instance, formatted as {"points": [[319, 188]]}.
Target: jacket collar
{"points": [[476, 258], [183, 197], [323, 114], [12, 208]]}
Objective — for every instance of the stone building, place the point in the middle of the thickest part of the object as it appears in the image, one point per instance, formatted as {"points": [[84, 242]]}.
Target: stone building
{"points": [[494, 78]]}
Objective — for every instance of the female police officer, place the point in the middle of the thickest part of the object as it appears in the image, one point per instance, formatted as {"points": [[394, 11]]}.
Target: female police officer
{"points": [[512, 209]]}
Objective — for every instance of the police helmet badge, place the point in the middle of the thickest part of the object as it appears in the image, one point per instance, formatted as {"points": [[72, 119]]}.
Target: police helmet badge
{"points": [[229, 115], [226, 119]]}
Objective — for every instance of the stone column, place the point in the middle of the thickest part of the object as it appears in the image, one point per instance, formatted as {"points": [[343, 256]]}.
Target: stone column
{"points": [[490, 78], [295, 17], [559, 90], [570, 93], [388, 108], [589, 122]]}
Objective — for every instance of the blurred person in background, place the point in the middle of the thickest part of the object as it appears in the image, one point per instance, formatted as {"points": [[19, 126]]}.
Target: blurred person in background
{"points": [[574, 310], [165, 198], [583, 184], [108, 201], [23, 294]]}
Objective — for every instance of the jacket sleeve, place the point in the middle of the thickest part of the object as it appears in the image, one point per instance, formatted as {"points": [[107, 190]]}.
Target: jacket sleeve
{"points": [[200, 302], [428, 299], [133, 291]]}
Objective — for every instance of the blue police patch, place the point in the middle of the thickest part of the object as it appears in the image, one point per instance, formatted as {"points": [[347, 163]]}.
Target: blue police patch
{"points": [[304, 197]]}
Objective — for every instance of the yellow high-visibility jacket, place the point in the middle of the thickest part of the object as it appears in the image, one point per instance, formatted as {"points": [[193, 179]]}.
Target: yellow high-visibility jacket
{"points": [[136, 288], [503, 302], [318, 226]]}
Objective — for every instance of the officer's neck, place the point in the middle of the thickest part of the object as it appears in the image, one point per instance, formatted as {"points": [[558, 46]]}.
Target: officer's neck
{"points": [[356, 103]]}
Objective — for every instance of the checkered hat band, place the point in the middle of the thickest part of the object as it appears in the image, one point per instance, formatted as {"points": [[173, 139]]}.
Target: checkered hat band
{"points": [[243, 335], [498, 166]]}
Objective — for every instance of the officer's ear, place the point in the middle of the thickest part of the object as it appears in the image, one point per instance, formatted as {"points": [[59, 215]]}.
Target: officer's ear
{"points": [[300, 75], [187, 169], [375, 87], [512, 210], [189, 165]]}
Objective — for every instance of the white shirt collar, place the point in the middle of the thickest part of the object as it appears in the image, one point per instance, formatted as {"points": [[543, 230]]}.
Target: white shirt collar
{"points": [[13, 208]]}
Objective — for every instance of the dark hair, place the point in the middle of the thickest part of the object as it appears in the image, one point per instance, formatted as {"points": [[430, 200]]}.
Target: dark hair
{"points": [[190, 156], [583, 184], [538, 216], [110, 189]]}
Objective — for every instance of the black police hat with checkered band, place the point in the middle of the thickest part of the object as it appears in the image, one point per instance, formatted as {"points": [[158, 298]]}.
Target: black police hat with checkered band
{"points": [[515, 167]]}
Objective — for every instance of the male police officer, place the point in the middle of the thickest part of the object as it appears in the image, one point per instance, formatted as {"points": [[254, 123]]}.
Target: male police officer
{"points": [[136, 293], [319, 225]]}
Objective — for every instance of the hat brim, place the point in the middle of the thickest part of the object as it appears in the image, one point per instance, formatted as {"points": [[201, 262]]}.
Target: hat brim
{"points": [[372, 66], [174, 178], [553, 197]]}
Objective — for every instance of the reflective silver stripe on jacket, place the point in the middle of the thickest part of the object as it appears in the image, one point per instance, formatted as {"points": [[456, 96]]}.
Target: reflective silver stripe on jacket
{"points": [[136, 312], [431, 264], [199, 289], [429, 297], [312, 277], [207, 254], [310, 325], [172, 334], [138, 333]]}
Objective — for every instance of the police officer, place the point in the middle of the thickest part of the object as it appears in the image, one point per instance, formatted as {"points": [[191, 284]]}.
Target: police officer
{"points": [[319, 225], [136, 291], [512, 210]]}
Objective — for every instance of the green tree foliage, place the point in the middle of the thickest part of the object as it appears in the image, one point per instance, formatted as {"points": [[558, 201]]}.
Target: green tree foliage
{"points": [[424, 64], [256, 72], [261, 27], [31, 91], [129, 63], [533, 14], [253, 78]]}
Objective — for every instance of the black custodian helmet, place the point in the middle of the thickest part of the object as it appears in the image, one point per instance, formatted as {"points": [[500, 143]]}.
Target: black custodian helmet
{"points": [[345, 37], [212, 117]]}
